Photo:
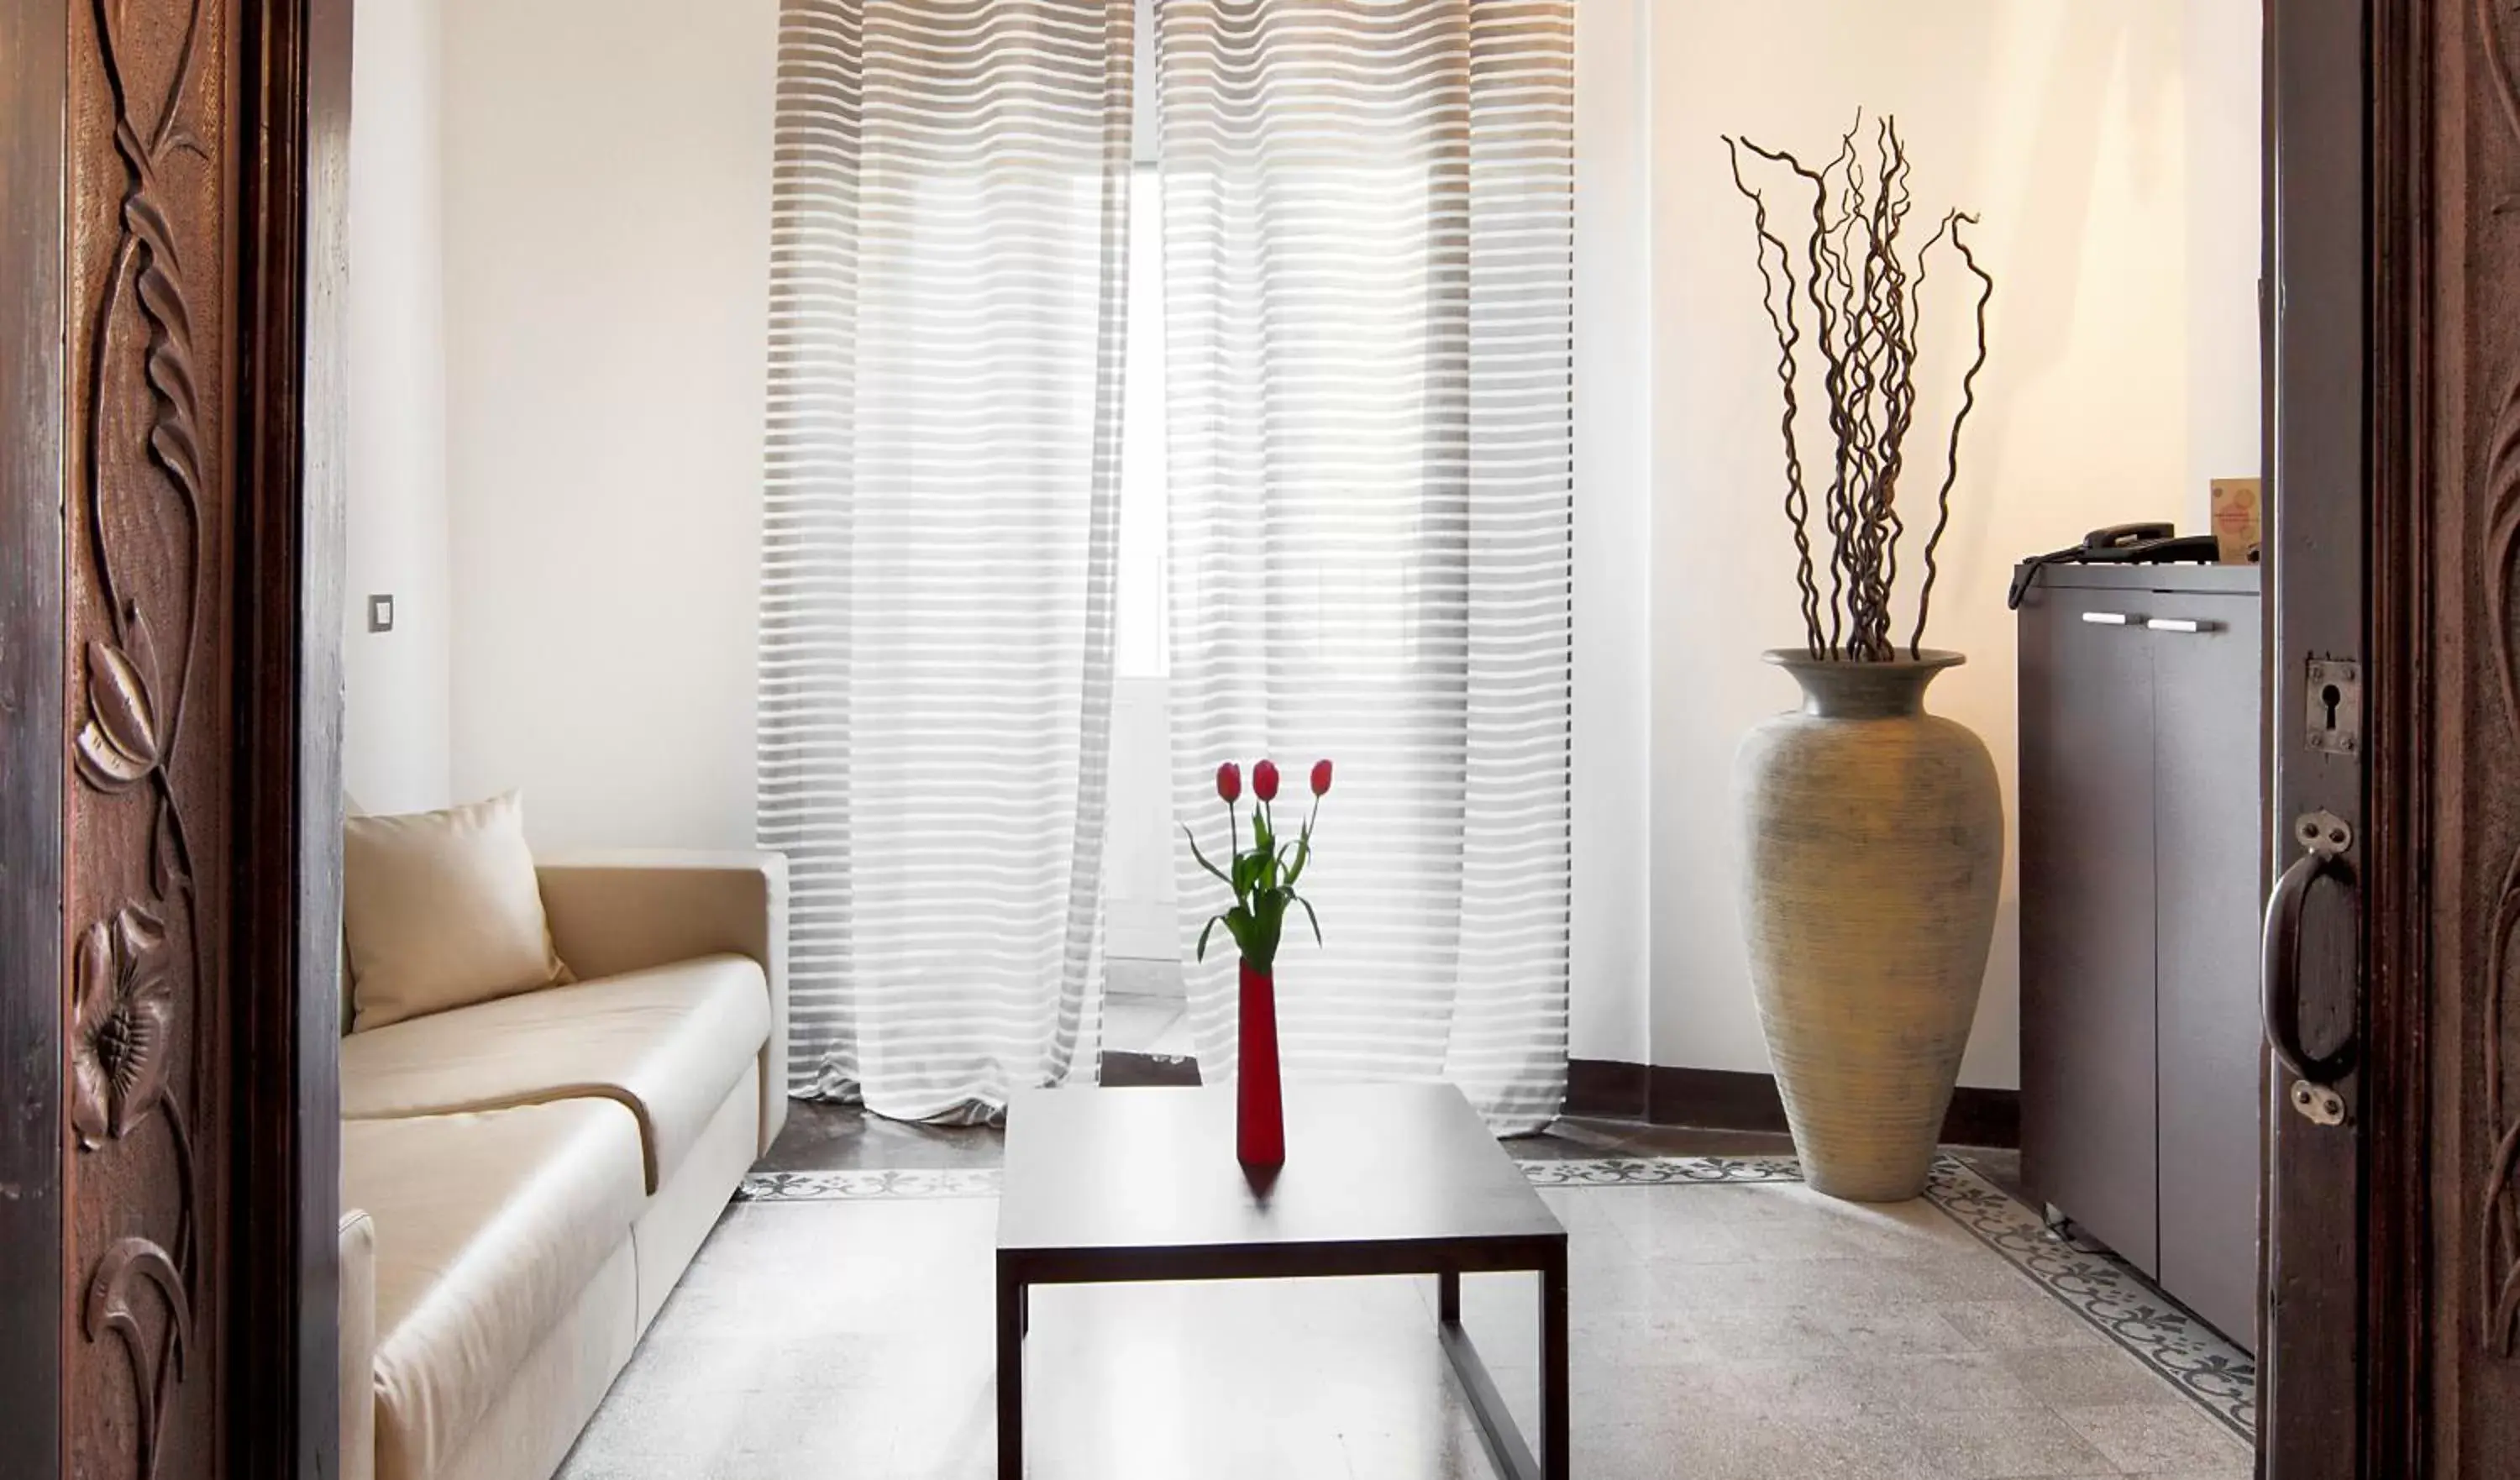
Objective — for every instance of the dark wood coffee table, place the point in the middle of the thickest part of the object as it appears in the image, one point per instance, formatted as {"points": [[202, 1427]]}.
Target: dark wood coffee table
{"points": [[1105, 1185]]}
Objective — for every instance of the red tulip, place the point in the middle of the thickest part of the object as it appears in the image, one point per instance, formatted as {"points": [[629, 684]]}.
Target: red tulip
{"points": [[1229, 781], [1264, 781], [1321, 778]]}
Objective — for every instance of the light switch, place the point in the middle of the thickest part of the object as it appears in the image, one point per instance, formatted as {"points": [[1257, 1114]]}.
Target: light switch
{"points": [[381, 613]]}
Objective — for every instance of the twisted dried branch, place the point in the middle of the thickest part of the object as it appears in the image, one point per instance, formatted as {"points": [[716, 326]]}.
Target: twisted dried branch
{"points": [[1951, 452], [1780, 307], [1865, 303]]}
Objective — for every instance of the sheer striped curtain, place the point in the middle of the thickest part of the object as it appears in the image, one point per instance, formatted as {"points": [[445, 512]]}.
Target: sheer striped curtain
{"points": [[937, 566], [1368, 297]]}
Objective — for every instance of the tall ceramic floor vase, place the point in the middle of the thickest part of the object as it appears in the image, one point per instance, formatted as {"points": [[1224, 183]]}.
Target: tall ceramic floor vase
{"points": [[1259, 1113], [1873, 836]]}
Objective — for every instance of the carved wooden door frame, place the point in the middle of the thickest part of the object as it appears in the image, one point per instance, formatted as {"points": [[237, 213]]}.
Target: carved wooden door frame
{"points": [[172, 260], [292, 439], [2450, 309]]}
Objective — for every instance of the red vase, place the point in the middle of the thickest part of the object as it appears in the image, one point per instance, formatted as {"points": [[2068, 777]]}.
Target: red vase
{"points": [[1259, 1115]]}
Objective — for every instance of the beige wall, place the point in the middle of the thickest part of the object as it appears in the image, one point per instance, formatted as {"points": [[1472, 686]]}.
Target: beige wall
{"points": [[2222, 93], [394, 742], [608, 249], [2099, 139]]}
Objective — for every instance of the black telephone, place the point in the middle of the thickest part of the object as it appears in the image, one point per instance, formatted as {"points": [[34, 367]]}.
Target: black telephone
{"points": [[2153, 544]]}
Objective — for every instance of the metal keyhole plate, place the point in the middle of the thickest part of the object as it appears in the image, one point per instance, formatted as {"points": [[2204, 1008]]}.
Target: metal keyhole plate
{"points": [[2334, 713]]}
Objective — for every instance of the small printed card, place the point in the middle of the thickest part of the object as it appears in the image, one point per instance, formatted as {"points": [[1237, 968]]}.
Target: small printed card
{"points": [[2237, 521]]}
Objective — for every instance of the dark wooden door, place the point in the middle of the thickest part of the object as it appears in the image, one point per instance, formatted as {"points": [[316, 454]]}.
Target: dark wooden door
{"points": [[170, 206], [2392, 1325], [2208, 802], [2316, 1348], [33, 84], [2088, 1122]]}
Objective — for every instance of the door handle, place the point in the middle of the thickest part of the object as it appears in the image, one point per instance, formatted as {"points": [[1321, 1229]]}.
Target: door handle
{"points": [[2323, 837], [2179, 624], [2109, 619]]}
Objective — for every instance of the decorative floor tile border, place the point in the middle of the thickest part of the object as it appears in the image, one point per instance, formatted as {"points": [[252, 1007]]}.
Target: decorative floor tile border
{"points": [[880, 1181], [2106, 1292], [2094, 1283], [1657, 1170], [984, 1182]]}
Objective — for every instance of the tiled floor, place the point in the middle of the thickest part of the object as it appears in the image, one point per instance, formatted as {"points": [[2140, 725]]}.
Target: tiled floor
{"points": [[1718, 1331]]}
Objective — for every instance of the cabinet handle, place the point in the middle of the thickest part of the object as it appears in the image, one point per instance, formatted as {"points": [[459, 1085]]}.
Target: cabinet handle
{"points": [[2181, 624], [2108, 618]]}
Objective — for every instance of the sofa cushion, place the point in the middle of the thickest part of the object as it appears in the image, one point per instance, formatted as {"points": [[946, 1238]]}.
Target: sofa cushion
{"points": [[488, 1228], [441, 910], [668, 1041]]}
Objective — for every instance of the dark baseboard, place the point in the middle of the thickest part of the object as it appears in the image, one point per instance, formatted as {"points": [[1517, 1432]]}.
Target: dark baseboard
{"points": [[1730, 1099], [1982, 1117], [1717, 1099], [1606, 1088]]}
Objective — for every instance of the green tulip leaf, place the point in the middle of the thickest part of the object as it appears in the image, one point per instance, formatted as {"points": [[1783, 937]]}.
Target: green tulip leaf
{"points": [[1202, 858]]}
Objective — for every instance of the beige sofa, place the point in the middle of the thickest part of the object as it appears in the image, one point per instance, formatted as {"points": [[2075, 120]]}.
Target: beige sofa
{"points": [[528, 1178]]}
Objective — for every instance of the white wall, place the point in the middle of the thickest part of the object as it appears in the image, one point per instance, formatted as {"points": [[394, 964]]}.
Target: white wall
{"points": [[606, 220], [608, 249], [1608, 998], [395, 743], [2066, 124]]}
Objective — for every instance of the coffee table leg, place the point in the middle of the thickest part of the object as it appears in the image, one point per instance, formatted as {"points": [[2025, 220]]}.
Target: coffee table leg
{"points": [[1014, 1300], [1506, 1445], [1556, 1432]]}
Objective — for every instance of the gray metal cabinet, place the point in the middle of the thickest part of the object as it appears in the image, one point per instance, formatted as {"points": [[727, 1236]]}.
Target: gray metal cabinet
{"points": [[2139, 808], [2087, 899]]}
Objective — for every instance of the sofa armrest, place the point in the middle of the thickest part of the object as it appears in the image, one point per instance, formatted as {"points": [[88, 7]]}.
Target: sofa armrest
{"points": [[358, 1346], [618, 912]]}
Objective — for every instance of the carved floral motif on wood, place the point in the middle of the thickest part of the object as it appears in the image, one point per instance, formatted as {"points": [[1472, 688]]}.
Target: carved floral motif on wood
{"points": [[151, 129]]}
